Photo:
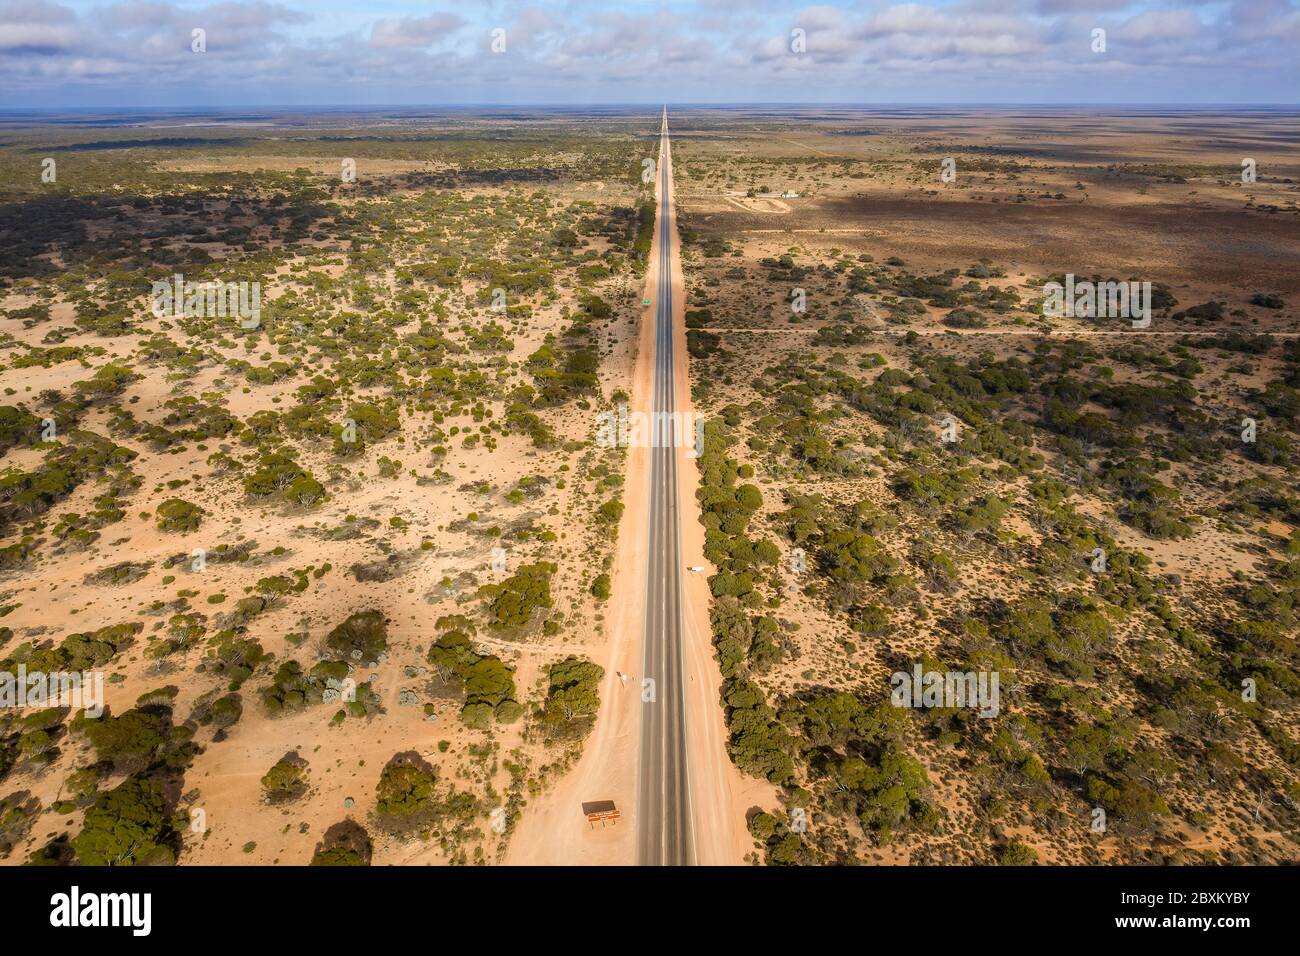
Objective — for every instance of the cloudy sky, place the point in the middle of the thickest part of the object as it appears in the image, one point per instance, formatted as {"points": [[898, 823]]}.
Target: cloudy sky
{"points": [[391, 52]]}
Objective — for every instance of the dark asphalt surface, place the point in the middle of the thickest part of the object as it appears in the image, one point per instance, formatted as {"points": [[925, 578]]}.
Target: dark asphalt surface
{"points": [[664, 835]]}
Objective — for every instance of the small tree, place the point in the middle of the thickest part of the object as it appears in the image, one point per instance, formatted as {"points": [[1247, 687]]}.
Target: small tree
{"points": [[178, 516], [287, 780], [345, 844], [128, 826]]}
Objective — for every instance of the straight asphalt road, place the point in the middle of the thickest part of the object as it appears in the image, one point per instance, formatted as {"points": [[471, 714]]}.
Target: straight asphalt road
{"points": [[664, 832]]}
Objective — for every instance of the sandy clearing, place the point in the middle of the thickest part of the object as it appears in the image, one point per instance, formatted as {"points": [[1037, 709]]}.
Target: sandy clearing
{"points": [[763, 204]]}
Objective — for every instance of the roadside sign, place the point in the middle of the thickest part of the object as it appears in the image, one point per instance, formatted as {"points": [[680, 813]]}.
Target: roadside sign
{"points": [[598, 811]]}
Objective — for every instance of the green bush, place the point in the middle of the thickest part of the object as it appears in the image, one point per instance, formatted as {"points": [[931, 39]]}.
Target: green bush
{"points": [[408, 797], [572, 698], [286, 780], [179, 516], [278, 474], [363, 637], [128, 826], [345, 844], [516, 602], [487, 682], [1017, 854], [139, 739]]}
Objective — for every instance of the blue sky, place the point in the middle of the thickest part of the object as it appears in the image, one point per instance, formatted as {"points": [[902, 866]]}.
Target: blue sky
{"points": [[397, 52]]}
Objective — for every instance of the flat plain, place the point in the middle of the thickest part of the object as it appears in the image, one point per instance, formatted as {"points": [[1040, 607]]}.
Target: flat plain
{"points": [[909, 462], [345, 568], [349, 571]]}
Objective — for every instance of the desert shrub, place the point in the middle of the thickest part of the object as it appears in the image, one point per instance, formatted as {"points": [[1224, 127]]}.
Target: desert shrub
{"points": [[701, 343], [1157, 521], [129, 825], [964, 319], [18, 812], [408, 797], [370, 423], [508, 712], [757, 743], [1271, 448], [488, 684], [83, 456], [852, 556], [781, 845], [344, 844], [1281, 400], [644, 235], [1133, 802], [286, 780], [562, 375], [1015, 853], [140, 739], [767, 647], [278, 474], [872, 620], [178, 516], [234, 657], [488, 681], [1069, 636], [363, 637], [983, 514], [78, 652], [932, 490], [885, 791], [304, 490], [519, 600], [733, 634], [292, 688], [18, 427], [218, 710], [572, 698]]}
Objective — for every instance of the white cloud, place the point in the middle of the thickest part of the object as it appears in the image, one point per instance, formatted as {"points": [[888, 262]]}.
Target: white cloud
{"points": [[36, 27], [414, 33], [1155, 25], [700, 51]]}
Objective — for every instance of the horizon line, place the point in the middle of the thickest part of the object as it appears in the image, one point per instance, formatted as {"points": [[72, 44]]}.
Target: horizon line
{"points": [[791, 104]]}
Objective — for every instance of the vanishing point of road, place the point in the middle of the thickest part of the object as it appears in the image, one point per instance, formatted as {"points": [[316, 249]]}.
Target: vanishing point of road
{"points": [[664, 832]]}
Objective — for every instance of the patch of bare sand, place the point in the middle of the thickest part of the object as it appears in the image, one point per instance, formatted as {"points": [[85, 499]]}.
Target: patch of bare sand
{"points": [[763, 204]]}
